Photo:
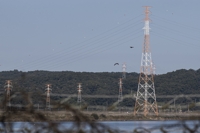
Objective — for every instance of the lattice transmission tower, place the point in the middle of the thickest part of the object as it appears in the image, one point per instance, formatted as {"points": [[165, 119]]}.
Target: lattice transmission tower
{"points": [[146, 98], [124, 71], [8, 88], [120, 97], [48, 91], [79, 93]]}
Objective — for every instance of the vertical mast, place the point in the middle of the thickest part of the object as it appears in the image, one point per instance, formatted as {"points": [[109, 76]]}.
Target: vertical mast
{"points": [[120, 98], [48, 91], [79, 93], [8, 88], [124, 71], [146, 98]]}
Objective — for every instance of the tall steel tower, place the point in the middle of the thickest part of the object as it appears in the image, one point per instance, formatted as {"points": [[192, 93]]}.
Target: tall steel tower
{"points": [[8, 88], [146, 98], [120, 90], [79, 93], [48, 91], [124, 71]]}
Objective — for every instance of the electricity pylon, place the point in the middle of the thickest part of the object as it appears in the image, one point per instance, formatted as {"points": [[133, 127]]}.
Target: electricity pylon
{"points": [[79, 92], [8, 88], [48, 91], [146, 98], [124, 71], [120, 98]]}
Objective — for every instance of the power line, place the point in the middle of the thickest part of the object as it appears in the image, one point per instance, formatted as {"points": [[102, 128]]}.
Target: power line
{"points": [[178, 24], [78, 49], [175, 40], [96, 49], [77, 45], [169, 29], [95, 52]]}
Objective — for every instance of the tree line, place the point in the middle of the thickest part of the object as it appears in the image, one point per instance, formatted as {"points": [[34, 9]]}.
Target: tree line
{"points": [[102, 83]]}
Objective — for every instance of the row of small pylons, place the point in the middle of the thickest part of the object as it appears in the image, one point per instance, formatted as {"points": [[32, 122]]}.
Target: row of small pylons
{"points": [[9, 86]]}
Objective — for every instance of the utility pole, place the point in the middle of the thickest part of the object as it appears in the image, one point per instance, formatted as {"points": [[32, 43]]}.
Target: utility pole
{"points": [[79, 94], [146, 98], [124, 71], [8, 88], [120, 90], [48, 91]]}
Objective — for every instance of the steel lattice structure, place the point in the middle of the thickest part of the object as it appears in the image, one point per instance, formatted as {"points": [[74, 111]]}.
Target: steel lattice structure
{"points": [[48, 91], [120, 98], [79, 93], [146, 98], [8, 88], [124, 71]]}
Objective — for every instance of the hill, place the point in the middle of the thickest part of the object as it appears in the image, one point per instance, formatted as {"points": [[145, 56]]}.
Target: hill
{"points": [[102, 83]]}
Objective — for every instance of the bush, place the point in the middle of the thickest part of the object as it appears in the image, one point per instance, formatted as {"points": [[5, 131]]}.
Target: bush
{"points": [[95, 116], [43, 121], [102, 116]]}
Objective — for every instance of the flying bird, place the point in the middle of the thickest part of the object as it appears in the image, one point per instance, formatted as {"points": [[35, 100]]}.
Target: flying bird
{"points": [[116, 64], [131, 46]]}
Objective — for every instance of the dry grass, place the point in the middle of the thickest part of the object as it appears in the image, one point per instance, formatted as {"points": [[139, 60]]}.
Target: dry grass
{"points": [[47, 120]]}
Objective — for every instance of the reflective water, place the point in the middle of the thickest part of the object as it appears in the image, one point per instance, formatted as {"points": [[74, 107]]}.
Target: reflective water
{"points": [[122, 126]]}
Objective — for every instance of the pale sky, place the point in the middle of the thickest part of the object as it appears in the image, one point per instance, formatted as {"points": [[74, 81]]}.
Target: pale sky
{"points": [[90, 36]]}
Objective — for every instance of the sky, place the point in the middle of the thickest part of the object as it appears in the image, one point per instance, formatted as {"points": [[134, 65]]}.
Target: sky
{"points": [[91, 36]]}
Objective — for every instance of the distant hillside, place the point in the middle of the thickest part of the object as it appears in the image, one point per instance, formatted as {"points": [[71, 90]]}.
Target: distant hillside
{"points": [[178, 82], [105, 83]]}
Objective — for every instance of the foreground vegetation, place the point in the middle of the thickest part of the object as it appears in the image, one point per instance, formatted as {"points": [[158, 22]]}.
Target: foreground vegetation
{"points": [[87, 122], [178, 82]]}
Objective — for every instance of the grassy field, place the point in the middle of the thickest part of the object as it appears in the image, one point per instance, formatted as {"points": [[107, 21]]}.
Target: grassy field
{"points": [[97, 116]]}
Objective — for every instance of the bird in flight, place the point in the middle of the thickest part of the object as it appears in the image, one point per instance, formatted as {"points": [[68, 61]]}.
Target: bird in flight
{"points": [[131, 46], [116, 64]]}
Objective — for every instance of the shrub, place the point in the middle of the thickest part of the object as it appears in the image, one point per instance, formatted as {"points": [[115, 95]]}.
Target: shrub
{"points": [[95, 116], [102, 116]]}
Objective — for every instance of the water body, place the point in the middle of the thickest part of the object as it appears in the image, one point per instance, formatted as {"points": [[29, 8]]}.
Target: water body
{"points": [[122, 126]]}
